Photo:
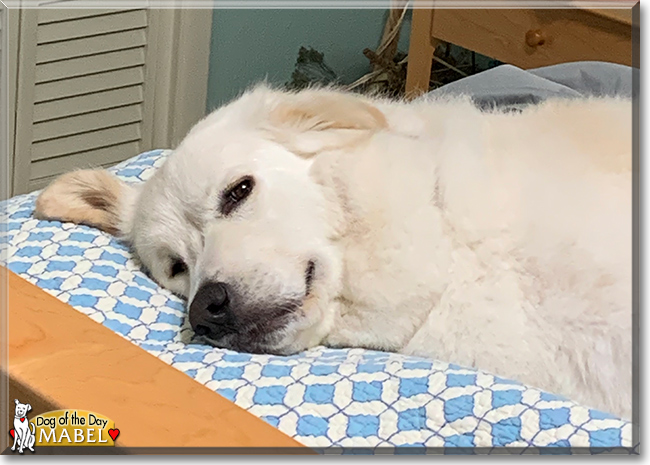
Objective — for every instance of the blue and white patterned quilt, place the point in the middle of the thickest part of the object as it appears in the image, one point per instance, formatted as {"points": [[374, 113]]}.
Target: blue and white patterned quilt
{"points": [[324, 398]]}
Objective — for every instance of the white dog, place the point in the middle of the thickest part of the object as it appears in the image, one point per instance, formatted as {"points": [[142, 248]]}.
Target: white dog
{"points": [[24, 437], [500, 241]]}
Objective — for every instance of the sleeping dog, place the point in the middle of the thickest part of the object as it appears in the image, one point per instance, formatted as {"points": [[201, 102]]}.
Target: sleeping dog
{"points": [[499, 241]]}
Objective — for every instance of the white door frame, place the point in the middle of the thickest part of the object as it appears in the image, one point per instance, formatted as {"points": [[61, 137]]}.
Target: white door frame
{"points": [[181, 77]]}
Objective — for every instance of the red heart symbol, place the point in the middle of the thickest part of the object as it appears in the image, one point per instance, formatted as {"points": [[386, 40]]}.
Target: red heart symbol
{"points": [[22, 420], [113, 433], [13, 433]]}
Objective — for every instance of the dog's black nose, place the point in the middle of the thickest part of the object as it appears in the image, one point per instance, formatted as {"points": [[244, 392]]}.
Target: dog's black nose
{"points": [[210, 313]]}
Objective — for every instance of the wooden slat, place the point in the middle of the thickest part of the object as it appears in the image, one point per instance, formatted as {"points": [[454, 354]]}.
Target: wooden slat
{"points": [[65, 360], [39, 183], [87, 103], [83, 142], [94, 158], [86, 27], [89, 84], [89, 65], [86, 46], [87, 122], [49, 3], [108, 165], [55, 15]]}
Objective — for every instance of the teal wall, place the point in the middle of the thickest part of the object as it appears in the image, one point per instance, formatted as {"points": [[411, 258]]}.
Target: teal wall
{"points": [[251, 45]]}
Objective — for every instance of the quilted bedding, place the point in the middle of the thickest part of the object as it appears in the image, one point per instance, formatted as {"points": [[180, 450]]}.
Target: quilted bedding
{"points": [[339, 400]]}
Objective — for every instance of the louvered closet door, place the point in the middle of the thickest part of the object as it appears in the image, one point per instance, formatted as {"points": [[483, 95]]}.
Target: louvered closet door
{"points": [[84, 91]]}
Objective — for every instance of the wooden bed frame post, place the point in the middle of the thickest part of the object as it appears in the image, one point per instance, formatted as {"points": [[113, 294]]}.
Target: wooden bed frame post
{"points": [[420, 56]]}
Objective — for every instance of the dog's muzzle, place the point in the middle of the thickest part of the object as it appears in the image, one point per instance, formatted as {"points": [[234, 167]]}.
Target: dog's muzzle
{"points": [[225, 320], [210, 312]]}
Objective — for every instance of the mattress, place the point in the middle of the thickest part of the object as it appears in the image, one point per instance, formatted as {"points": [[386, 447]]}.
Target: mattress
{"points": [[333, 400]]}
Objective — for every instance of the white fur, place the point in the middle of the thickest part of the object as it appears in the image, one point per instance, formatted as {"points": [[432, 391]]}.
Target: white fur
{"points": [[500, 241], [519, 264]]}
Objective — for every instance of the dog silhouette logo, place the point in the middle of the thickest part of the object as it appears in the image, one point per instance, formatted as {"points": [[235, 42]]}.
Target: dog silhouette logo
{"points": [[23, 432]]}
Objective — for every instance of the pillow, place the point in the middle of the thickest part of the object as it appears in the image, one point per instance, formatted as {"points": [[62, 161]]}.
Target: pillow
{"points": [[510, 87]]}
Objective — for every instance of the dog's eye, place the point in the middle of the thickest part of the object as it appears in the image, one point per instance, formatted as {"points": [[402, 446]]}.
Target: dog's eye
{"points": [[178, 267], [234, 195]]}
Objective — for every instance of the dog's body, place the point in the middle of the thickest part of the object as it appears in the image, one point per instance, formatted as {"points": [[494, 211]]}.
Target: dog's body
{"points": [[24, 431], [511, 254], [500, 241]]}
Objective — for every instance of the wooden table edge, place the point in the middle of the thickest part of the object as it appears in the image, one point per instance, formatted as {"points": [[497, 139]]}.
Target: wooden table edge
{"points": [[58, 358]]}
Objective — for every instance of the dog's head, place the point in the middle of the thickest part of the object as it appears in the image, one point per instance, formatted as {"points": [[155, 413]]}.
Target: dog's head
{"points": [[22, 409], [234, 219]]}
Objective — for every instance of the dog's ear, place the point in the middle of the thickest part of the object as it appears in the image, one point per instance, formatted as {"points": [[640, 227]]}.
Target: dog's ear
{"points": [[315, 120], [92, 197], [29, 407], [17, 401]]}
